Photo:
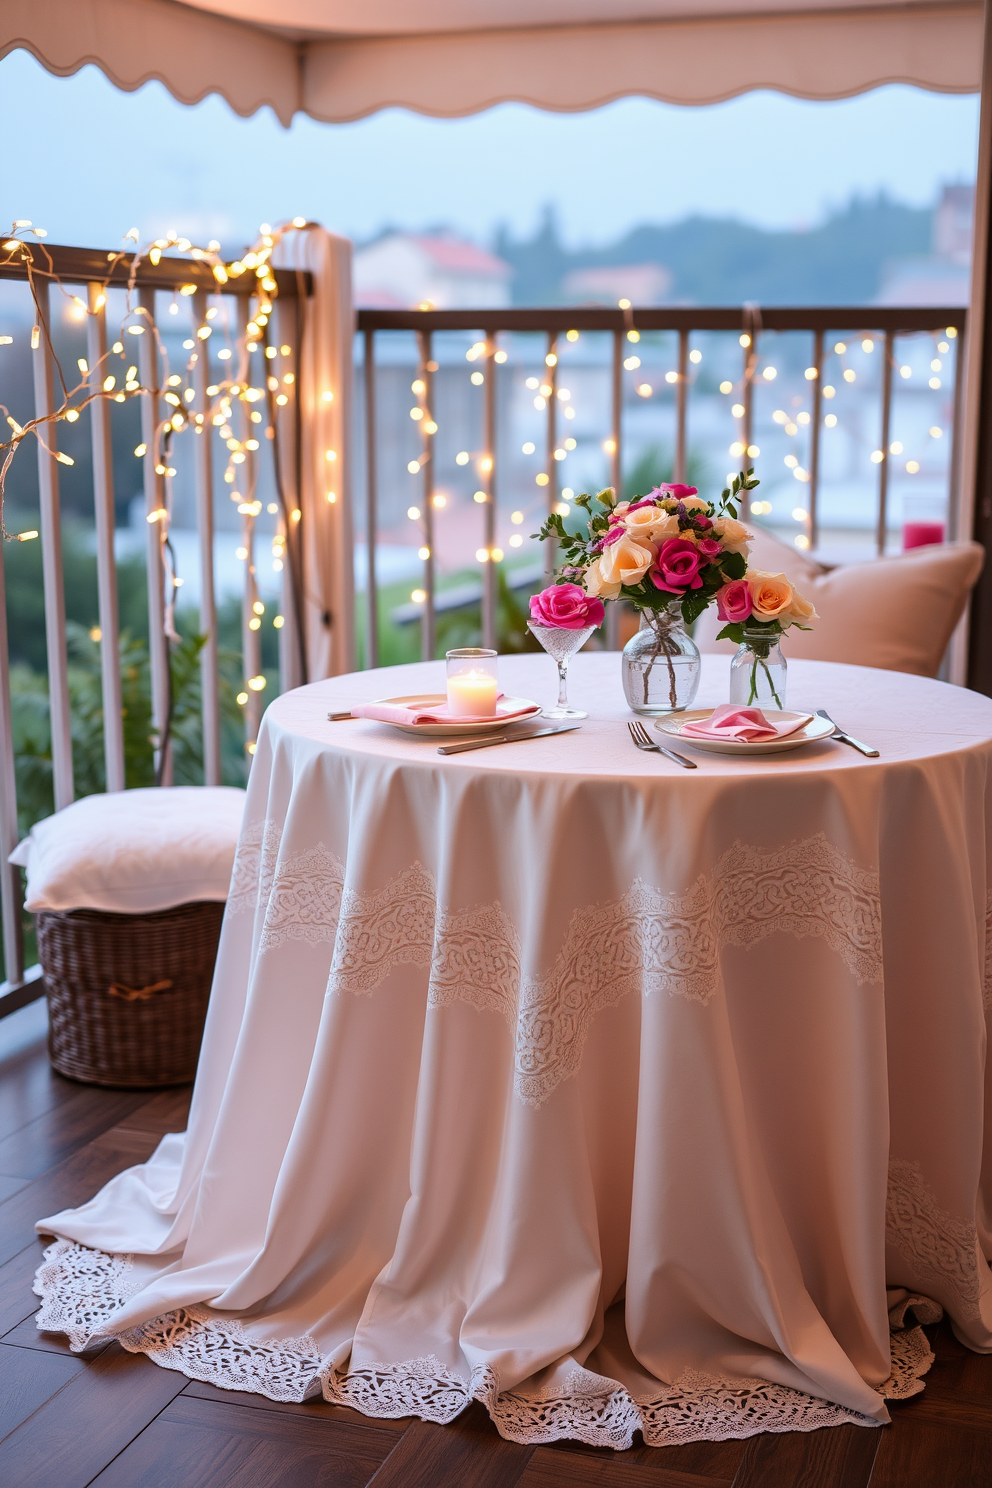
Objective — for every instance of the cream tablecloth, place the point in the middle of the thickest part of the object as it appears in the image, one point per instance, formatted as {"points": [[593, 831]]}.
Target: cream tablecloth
{"points": [[551, 1075]]}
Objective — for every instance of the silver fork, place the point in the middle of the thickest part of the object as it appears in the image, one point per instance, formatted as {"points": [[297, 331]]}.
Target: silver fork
{"points": [[643, 740]]}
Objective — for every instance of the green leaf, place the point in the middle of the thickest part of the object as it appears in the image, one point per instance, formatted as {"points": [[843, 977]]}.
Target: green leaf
{"points": [[734, 565], [733, 633], [694, 604]]}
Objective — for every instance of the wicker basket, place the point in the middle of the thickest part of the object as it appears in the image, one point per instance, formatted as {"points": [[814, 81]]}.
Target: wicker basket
{"points": [[127, 993]]}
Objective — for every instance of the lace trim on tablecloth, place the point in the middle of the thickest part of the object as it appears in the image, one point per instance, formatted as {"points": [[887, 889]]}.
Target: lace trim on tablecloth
{"points": [[941, 1248], [82, 1288], [649, 940]]}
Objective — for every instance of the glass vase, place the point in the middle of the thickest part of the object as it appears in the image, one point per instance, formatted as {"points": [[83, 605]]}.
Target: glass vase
{"points": [[661, 664], [758, 671]]}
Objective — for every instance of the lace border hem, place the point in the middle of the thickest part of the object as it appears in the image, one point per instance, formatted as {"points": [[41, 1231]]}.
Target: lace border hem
{"points": [[81, 1289]]}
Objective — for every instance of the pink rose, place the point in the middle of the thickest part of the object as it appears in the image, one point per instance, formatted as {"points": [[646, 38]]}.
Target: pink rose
{"points": [[614, 535], [677, 492], [566, 607], [677, 567], [733, 601], [709, 547]]}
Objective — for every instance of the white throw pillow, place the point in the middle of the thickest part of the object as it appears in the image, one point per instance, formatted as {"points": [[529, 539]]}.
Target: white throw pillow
{"points": [[895, 613], [134, 852]]}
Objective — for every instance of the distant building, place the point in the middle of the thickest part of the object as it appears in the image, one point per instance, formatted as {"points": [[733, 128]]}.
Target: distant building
{"points": [[641, 284], [404, 270], [942, 277]]}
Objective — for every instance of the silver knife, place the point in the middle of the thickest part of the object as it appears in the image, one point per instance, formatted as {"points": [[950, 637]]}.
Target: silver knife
{"points": [[503, 739], [848, 738]]}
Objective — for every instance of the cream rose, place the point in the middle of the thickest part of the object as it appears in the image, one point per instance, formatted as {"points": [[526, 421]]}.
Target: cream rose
{"points": [[771, 595], [625, 561], [650, 524], [801, 611], [596, 584], [734, 535], [694, 503]]}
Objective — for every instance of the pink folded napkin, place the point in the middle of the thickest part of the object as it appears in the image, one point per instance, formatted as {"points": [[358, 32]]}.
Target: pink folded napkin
{"points": [[731, 721], [397, 713]]}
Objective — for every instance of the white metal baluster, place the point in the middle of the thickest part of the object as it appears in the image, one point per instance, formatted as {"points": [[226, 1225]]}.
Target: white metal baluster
{"points": [[203, 438], [616, 471], [427, 624], [51, 554], [10, 877], [106, 568], [678, 474], [371, 509], [551, 378], [813, 516], [883, 465], [490, 575], [287, 463], [158, 645], [251, 643]]}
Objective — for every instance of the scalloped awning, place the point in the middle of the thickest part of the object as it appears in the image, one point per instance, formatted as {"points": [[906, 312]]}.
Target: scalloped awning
{"points": [[343, 59]]}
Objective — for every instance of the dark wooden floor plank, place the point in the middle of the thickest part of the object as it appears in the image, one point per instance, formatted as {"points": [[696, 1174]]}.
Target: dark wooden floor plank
{"points": [[714, 1460], [73, 1436], [17, 1300], [28, 1084], [26, 1335], [27, 1380], [548, 1469], [467, 1453], [163, 1111], [317, 1408], [50, 1138], [69, 1184], [837, 1457], [208, 1444], [920, 1453]]}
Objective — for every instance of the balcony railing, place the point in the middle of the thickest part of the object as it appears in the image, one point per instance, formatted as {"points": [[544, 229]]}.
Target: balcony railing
{"points": [[70, 284], [685, 344], [714, 374]]}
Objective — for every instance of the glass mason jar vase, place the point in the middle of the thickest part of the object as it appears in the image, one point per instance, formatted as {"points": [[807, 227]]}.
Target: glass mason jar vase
{"points": [[757, 672], [661, 664]]}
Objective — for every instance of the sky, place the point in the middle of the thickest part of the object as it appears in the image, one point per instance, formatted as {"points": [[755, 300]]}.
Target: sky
{"points": [[97, 162]]}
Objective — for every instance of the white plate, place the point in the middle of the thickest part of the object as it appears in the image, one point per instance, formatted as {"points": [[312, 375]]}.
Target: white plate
{"points": [[817, 728], [448, 730]]}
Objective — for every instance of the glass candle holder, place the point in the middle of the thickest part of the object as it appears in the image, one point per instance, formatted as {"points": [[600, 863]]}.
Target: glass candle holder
{"points": [[472, 689]]}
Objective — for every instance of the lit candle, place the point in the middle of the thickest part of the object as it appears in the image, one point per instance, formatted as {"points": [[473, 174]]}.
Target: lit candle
{"points": [[472, 694]]}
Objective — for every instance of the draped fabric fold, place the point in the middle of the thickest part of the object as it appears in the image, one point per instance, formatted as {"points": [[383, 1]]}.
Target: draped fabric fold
{"points": [[436, 65]]}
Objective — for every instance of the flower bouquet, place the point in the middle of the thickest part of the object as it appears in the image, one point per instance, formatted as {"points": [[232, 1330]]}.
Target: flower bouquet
{"points": [[672, 554], [669, 553]]}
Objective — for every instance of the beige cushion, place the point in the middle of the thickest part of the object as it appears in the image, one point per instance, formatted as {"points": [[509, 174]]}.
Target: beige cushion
{"points": [[135, 851], [898, 613]]}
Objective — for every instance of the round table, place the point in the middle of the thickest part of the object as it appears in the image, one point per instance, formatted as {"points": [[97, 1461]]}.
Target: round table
{"points": [[615, 1096]]}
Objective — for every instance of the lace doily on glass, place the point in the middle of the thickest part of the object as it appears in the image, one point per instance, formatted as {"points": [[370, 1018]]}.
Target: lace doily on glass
{"points": [[81, 1289], [942, 1249]]}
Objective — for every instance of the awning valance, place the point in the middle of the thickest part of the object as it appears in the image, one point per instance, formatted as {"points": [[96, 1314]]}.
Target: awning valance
{"points": [[340, 59]]}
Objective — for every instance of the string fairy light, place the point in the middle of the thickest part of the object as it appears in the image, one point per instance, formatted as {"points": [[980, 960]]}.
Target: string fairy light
{"points": [[24, 247]]}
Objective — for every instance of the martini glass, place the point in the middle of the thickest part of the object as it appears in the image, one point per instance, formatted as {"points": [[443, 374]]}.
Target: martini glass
{"points": [[560, 644]]}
